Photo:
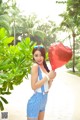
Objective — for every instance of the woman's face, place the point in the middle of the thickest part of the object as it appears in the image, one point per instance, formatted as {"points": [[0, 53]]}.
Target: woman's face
{"points": [[38, 57]]}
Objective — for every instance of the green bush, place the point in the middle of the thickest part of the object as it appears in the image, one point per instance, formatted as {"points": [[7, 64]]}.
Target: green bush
{"points": [[78, 64], [15, 62], [69, 64]]}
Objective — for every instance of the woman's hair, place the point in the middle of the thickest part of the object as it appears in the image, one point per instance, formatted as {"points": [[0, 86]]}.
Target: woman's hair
{"points": [[43, 53]]}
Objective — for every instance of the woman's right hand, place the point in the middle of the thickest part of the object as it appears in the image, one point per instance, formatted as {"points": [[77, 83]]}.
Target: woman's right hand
{"points": [[52, 74]]}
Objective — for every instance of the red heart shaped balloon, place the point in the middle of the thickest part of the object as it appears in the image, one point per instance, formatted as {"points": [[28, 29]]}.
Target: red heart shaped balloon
{"points": [[59, 55]]}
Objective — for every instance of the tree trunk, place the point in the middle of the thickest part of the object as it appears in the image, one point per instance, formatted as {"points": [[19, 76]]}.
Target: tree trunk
{"points": [[73, 51]]}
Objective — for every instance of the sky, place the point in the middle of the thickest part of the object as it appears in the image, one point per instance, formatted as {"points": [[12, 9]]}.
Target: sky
{"points": [[42, 8]]}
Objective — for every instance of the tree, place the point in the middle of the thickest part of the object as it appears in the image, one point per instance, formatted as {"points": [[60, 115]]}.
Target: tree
{"points": [[68, 25], [4, 18], [14, 15], [71, 23], [73, 7], [49, 28]]}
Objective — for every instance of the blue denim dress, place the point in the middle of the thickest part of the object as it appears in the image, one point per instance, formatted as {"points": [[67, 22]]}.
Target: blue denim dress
{"points": [[37, 102]]}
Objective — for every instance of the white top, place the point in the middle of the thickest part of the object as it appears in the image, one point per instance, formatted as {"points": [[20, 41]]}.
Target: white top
{"points": [[46, 86]]}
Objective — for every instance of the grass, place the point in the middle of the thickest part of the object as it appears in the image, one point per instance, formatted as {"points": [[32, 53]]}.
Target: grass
{"points": [[77, 73]]}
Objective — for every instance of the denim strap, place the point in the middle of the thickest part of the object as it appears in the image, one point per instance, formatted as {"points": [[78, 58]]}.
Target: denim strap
{"points": [[40, 77]]}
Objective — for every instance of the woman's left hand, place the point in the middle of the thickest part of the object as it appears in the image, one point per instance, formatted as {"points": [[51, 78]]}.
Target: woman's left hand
{"points": [[52, 75]]}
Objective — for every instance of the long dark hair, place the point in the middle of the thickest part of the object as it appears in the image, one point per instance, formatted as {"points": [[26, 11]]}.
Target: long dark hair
{"points": [[43, 53]]}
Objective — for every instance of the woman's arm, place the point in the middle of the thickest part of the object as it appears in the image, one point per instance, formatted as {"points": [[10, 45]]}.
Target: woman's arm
{"points": [[34, 78], [51, 80], [50, 83]]}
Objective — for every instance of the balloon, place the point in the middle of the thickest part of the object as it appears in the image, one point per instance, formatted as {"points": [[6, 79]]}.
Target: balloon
{"points": [[59, 55]]}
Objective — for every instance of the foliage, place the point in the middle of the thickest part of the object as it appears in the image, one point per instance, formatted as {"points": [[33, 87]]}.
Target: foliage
{"points": [[77, 63], [69, 64], [15, 62], [73, 6], [77, 73], [49, 28], [71, 25], [78, 66], [21, 26], [4, 17]]}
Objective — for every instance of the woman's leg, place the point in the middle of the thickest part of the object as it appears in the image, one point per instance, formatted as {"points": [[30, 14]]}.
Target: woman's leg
{"points": [[41, 116]]}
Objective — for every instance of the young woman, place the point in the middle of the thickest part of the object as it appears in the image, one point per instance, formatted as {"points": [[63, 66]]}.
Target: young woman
{"points": [[41, 79]]}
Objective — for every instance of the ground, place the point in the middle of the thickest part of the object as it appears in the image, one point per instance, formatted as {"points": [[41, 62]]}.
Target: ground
{"points": [[63, 98]]}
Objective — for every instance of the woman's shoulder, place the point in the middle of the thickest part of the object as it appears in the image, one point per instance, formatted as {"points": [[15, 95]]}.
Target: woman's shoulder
{"points": [[35, 66]]}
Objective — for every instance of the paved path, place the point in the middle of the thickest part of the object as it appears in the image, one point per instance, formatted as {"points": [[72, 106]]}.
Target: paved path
{"points": [[63, 99]]}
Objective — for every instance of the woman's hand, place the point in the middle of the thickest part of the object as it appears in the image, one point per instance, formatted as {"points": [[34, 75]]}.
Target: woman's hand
{"points": [[51, 74]]}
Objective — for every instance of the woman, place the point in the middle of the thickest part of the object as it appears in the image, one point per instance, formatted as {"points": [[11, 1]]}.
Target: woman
{"points": [[41, 79]]}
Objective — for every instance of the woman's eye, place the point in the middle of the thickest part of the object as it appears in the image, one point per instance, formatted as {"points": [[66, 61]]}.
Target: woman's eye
{"points": [[36, 55]]}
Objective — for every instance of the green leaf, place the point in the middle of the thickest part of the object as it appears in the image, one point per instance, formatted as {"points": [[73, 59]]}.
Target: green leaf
{"points": [[2, 75], [27, 40], [8, 40], [4, 100], [10, 85], [1, 106], [3, 33], [5, 93], [4, 86]]}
